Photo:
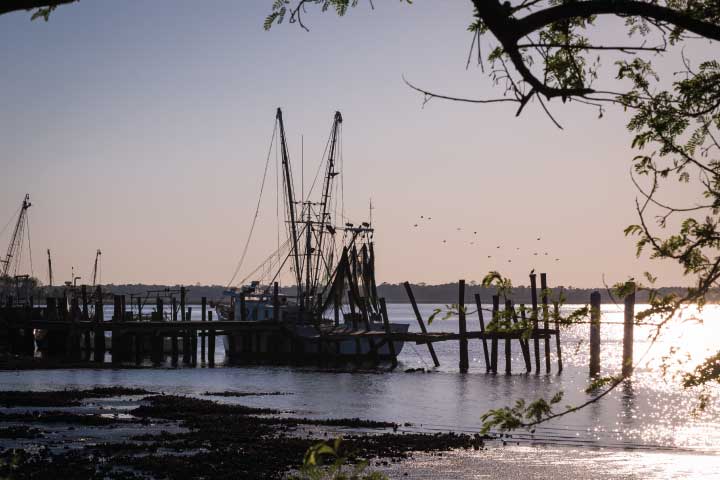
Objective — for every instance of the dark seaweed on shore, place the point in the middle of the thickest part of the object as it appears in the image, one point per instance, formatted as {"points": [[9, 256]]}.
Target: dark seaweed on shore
{"points": [[216, 441], [231, 393], [63, 398], [19, 431], [88, 420]]}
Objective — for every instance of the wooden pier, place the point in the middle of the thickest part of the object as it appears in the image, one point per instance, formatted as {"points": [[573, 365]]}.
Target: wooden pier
{"points": [[74, 330]]}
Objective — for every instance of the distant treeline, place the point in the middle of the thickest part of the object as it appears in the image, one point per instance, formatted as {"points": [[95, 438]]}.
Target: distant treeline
{"points": [[395, 293]]}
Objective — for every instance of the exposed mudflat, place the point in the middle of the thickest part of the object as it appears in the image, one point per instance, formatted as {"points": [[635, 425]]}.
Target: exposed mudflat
{"points": [[133, 435]]}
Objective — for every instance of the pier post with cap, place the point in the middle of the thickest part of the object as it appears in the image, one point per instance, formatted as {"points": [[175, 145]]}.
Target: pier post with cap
{"points": [[629, 325], [595, 334]]}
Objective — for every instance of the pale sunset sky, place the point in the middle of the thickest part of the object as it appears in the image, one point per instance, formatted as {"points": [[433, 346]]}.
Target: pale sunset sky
{"points": [[141, 128]]}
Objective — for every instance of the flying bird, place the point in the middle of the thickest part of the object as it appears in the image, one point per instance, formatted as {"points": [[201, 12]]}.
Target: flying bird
{"points": [[498, 246], [421, 216], [416, 224], [538, 238], [475, 233], [557, 259], [535, 254]]}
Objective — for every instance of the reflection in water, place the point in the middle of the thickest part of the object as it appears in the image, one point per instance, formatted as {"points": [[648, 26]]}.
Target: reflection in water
{"points": [[627, 400]]}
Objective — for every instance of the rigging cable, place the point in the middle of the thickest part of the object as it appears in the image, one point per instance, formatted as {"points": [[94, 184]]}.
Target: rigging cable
{"points": [[13, 217], [27, 226], [322, 161], [257, 211]]}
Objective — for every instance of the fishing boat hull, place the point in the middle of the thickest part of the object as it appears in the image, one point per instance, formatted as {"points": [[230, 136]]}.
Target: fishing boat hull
{"points": [[303, 344]]}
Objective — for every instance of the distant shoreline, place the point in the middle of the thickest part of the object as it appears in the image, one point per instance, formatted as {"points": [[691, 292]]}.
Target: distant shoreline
{"points": [[424, 294]]}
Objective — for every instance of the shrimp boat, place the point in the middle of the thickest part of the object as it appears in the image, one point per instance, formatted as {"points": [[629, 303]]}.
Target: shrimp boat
{"points": [[334, 303]]}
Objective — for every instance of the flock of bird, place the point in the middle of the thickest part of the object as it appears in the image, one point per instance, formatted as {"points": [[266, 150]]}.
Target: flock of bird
{"points": [[472, 242]]}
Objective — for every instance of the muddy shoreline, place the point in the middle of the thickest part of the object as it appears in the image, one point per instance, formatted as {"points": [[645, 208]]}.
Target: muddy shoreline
{"points": [[120, 433]]}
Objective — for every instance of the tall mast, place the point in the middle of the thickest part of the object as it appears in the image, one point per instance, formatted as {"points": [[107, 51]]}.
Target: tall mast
{"points": [[95, 267], [50, 275], [291, 203], [327, 185], [16, 238]]}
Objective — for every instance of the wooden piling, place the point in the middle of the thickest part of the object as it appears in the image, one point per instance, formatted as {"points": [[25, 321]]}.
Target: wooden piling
{"points": [[99, 334], [478, 303], [535, 323], [546, 318], [558, 347], [494, 341], [464, 362], [193, 341], [211, 347], [115, 335], [388, 332], [187, 340], [508, 343], [420, 321], [595, 334], [158, 340], [627, 365], [85, 310], [174, 338], [203, 336], [243, 311], [524, 343]]}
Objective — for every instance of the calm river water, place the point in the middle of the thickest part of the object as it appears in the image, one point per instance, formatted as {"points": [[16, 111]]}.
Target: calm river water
{"points": [[648, 424]]}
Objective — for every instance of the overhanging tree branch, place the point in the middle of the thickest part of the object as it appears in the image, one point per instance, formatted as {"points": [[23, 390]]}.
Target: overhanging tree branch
{"points": [[7, 6]]}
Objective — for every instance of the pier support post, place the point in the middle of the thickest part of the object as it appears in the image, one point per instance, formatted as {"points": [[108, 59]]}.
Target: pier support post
{"points": [[627, 365], [388, 332], [546, 318], [87, 344], [99, 355], [192, 336], [595, 334], [203, 335], [211, 347], [494, 341], [478, 304], [115, 339], [535, 323], [158, 339], [558, 347], [524, 343], [464, 363], [173, 338], [138, 335], [508, 340], [419, 318]]}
